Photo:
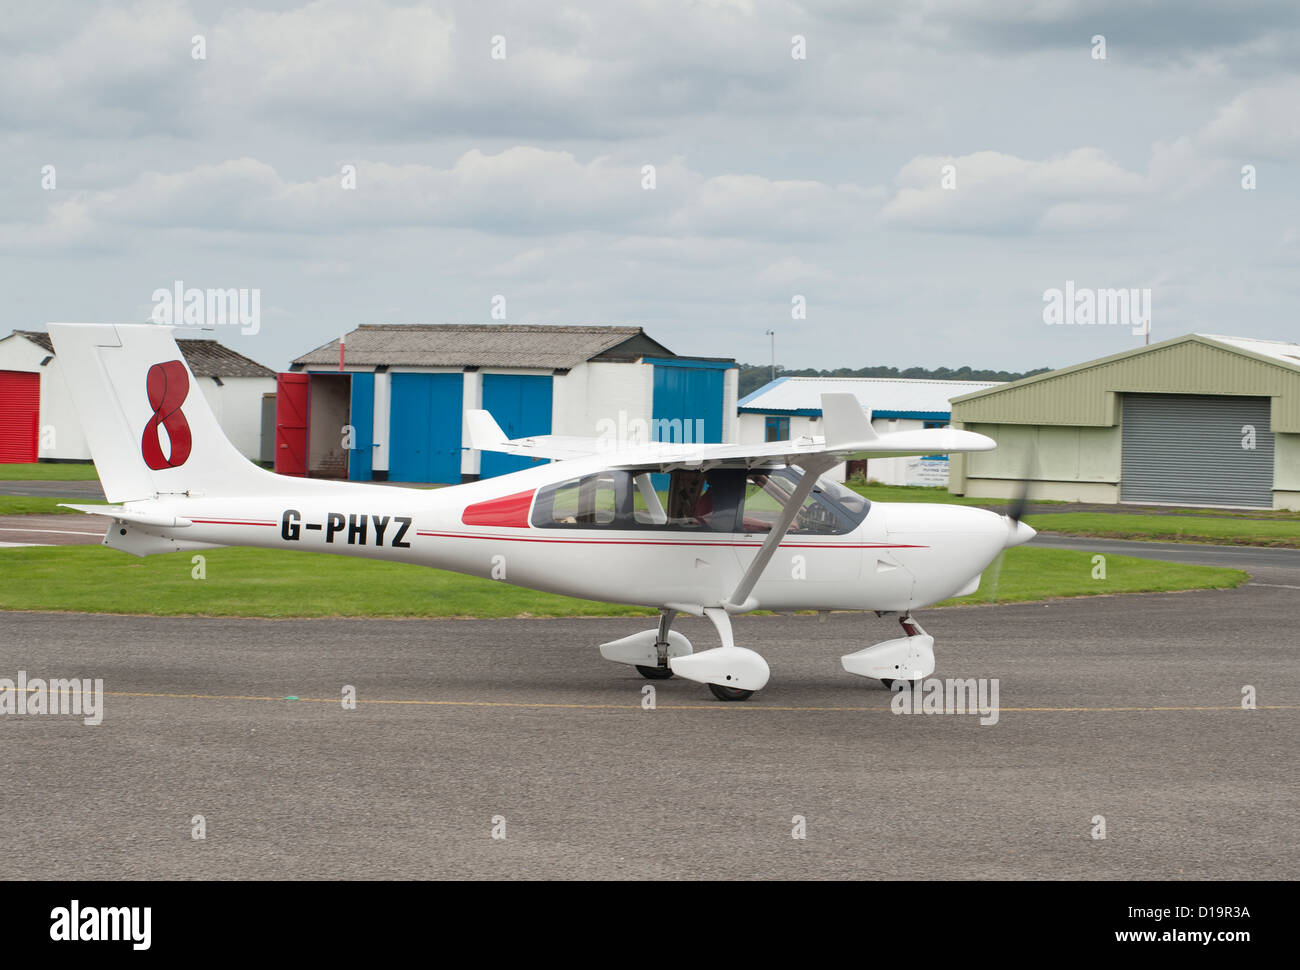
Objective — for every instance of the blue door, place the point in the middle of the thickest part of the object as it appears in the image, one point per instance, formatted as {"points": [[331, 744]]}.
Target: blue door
{"points": [[521, 404], [362, 418], [424, 428], [688, 401]]}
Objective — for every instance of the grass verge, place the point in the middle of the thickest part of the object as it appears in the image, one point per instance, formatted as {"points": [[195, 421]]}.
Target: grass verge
{"points": [[1027, 574], [47, 471], [1172, 528], [272, 583], [40, 505]]}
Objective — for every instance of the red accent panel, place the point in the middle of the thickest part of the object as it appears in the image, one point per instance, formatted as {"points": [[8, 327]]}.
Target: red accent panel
{"points": [[510, 511], [292, 397], [20, 415]]}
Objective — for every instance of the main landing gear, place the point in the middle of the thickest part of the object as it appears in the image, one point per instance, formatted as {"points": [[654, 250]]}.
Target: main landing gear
{"points": [[732, 673], [908, 658], [661, 670]]}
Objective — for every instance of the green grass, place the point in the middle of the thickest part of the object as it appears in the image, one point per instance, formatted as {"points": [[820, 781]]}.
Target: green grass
{"points": [[44, 471], [1172, 528], [273, 583], [40, 505], [260, 582], [1028, 574]]}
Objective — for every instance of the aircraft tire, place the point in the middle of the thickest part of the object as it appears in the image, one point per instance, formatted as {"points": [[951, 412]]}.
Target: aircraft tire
{"points": [[654, 673], [724, 693]]}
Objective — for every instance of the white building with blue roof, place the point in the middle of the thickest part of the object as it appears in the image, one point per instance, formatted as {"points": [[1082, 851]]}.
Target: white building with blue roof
{"points": [[789, 407]]}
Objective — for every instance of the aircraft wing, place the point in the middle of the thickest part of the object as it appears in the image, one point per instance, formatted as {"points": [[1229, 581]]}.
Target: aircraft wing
{"points": [[849, 436]]}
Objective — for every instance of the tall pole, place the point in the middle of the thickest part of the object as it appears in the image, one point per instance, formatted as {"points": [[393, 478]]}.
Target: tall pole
{"points": [[772, 334]]}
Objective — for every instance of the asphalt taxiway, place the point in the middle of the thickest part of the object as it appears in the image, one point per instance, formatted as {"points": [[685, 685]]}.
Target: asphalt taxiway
{"points": [[1126, 707]]}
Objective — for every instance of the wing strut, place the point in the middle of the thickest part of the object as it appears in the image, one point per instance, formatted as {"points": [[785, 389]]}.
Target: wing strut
{"points": [[813, 469]]}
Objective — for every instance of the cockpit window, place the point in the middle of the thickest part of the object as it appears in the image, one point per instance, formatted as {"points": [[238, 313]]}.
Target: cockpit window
{"points": [[829, 509], [729, 500]]}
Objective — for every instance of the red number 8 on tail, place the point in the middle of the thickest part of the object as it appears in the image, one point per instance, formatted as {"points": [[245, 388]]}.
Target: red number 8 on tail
{"points": [[167, 385]]}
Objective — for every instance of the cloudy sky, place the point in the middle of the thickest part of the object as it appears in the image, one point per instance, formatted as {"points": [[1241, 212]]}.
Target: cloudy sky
{"points": [[823, 176]]}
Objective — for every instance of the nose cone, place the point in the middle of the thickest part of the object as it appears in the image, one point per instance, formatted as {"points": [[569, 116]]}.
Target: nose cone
{"points": [[1019, 532]]}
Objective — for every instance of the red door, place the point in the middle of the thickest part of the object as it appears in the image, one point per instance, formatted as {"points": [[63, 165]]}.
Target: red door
{"points": [[20, 415], [292, 396]]}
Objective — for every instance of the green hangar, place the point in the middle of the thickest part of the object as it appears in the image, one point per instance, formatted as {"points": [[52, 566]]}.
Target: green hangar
{"points": [[1198, 420]]}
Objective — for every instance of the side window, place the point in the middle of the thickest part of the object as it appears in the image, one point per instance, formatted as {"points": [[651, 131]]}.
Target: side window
{"points": [[683, 501], [703, 501], [592, 501]]}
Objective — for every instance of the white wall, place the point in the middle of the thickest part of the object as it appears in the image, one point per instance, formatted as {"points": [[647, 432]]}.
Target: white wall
{"points": [[889, 471], [471, 400], [730, 397], [599, 391], [383, 404], [237, 406]]}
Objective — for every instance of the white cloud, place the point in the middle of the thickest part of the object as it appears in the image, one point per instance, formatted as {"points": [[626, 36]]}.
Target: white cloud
{"points": [[522, 190], [1000, 193], [1263, 122]]}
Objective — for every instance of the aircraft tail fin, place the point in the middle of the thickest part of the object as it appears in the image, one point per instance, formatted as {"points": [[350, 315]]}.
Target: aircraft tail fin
{"points": [[845, 422], [149, 427]]}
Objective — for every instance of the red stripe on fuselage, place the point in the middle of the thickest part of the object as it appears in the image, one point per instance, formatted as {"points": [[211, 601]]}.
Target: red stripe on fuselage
{"points": [[670, 542], [229, 522]]}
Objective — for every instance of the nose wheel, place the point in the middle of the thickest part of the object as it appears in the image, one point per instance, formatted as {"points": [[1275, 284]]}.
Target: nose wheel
{"points": [[654, 673], [724, 693]]}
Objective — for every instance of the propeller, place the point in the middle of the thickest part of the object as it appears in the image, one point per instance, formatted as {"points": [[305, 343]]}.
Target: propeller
{"points": [[1018, 531]]}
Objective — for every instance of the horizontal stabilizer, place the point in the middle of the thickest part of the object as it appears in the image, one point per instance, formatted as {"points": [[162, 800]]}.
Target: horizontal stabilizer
{"points": [[123, 514], [486, 435]]}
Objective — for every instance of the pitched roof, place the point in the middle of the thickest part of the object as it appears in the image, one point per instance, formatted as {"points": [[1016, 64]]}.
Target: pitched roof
{"points": [[38, 337], [879, 394], [1278, 352], [1281, 351], [206, 358], [482, 345]]}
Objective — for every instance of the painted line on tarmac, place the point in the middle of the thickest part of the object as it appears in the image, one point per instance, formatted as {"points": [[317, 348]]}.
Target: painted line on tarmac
{"points": [[51, 532], [718, 706]]}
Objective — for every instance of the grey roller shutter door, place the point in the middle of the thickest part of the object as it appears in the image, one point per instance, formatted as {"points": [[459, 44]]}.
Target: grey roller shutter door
{"points": [[1186, 449]]}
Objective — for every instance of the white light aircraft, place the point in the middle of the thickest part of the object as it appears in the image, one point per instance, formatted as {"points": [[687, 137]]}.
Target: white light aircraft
{"points": [[710, 530]]}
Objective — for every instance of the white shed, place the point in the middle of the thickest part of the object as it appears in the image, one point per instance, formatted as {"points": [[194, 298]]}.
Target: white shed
{"points": [[389, 404], [789, 407]]}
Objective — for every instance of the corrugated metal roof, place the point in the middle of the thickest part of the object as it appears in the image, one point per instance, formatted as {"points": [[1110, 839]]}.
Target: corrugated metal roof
{"points": [[1283, 351], [206, 358], [874, 393], [477, 345]]}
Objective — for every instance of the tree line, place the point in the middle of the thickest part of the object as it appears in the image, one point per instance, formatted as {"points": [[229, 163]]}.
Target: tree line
{"points": [[754, 376]]}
